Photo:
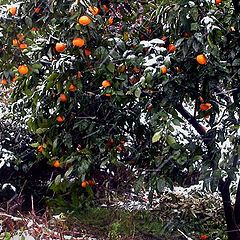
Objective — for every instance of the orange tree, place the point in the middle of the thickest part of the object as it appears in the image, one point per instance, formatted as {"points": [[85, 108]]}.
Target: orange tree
{"points": [[152, 87]]}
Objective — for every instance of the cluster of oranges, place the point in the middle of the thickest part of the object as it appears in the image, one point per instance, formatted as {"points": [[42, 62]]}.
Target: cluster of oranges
{"points": [[5, 82], [77, 42], [56, 163], [86, 183], [18, 42]]}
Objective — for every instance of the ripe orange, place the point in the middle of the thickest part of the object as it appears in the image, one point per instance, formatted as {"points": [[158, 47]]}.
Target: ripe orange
{"points": [[78, 42], [106, 8], [84, 20], [20, 37], [13, 10], [91, 182], [72, 88], [56, 164], [110, 21], [23, 46], [60, 47], [106, 83], [4, 82], [60, 118], [164, 69], [218, 2], [171, 48], [34, 29], [23, 69], [203, 237], [94, 10], [201, 59], [40, 148], [15, 42], [37, 10], [205, 106], [14, 79], [87, 52], [63, 98], [84, 184]]}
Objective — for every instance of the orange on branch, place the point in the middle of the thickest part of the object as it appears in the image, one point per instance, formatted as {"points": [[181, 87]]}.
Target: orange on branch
{"points": [[205, 106], [13, 10], [14, 79], [201, 59], [106, 8], [91, 182], [15, 42], [87, 52], [218, 2], [110, 21], [56, 164], [94, 10], [60, 47], [37, 10], [106, 83], [23, 69], [3, 81], [60, 118], [72, 88], [20, 37], [84, 20], [84, 184], [171, 48], [23, 46], [63, 98], [40, 148], [78, 42], [164, 69]]}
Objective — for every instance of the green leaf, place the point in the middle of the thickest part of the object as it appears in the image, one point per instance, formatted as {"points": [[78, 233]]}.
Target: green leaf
{"points": [[28, 21], [53, 77], [156, 137], [111, 67], [170, 140], [137, 92], [41, 130], [36, 66], [176, 122], [68, 172], [58, 179], [34, 145]]}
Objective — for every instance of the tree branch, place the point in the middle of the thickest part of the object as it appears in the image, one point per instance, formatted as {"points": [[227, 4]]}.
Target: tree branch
{"points": [[191, 119]]}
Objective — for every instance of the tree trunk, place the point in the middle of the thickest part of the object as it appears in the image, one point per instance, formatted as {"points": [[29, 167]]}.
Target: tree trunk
{"points": [[233, 230], [232, 214]]}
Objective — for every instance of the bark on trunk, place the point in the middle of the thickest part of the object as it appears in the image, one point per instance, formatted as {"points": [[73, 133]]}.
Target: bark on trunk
{"points": [[230, 212]]}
